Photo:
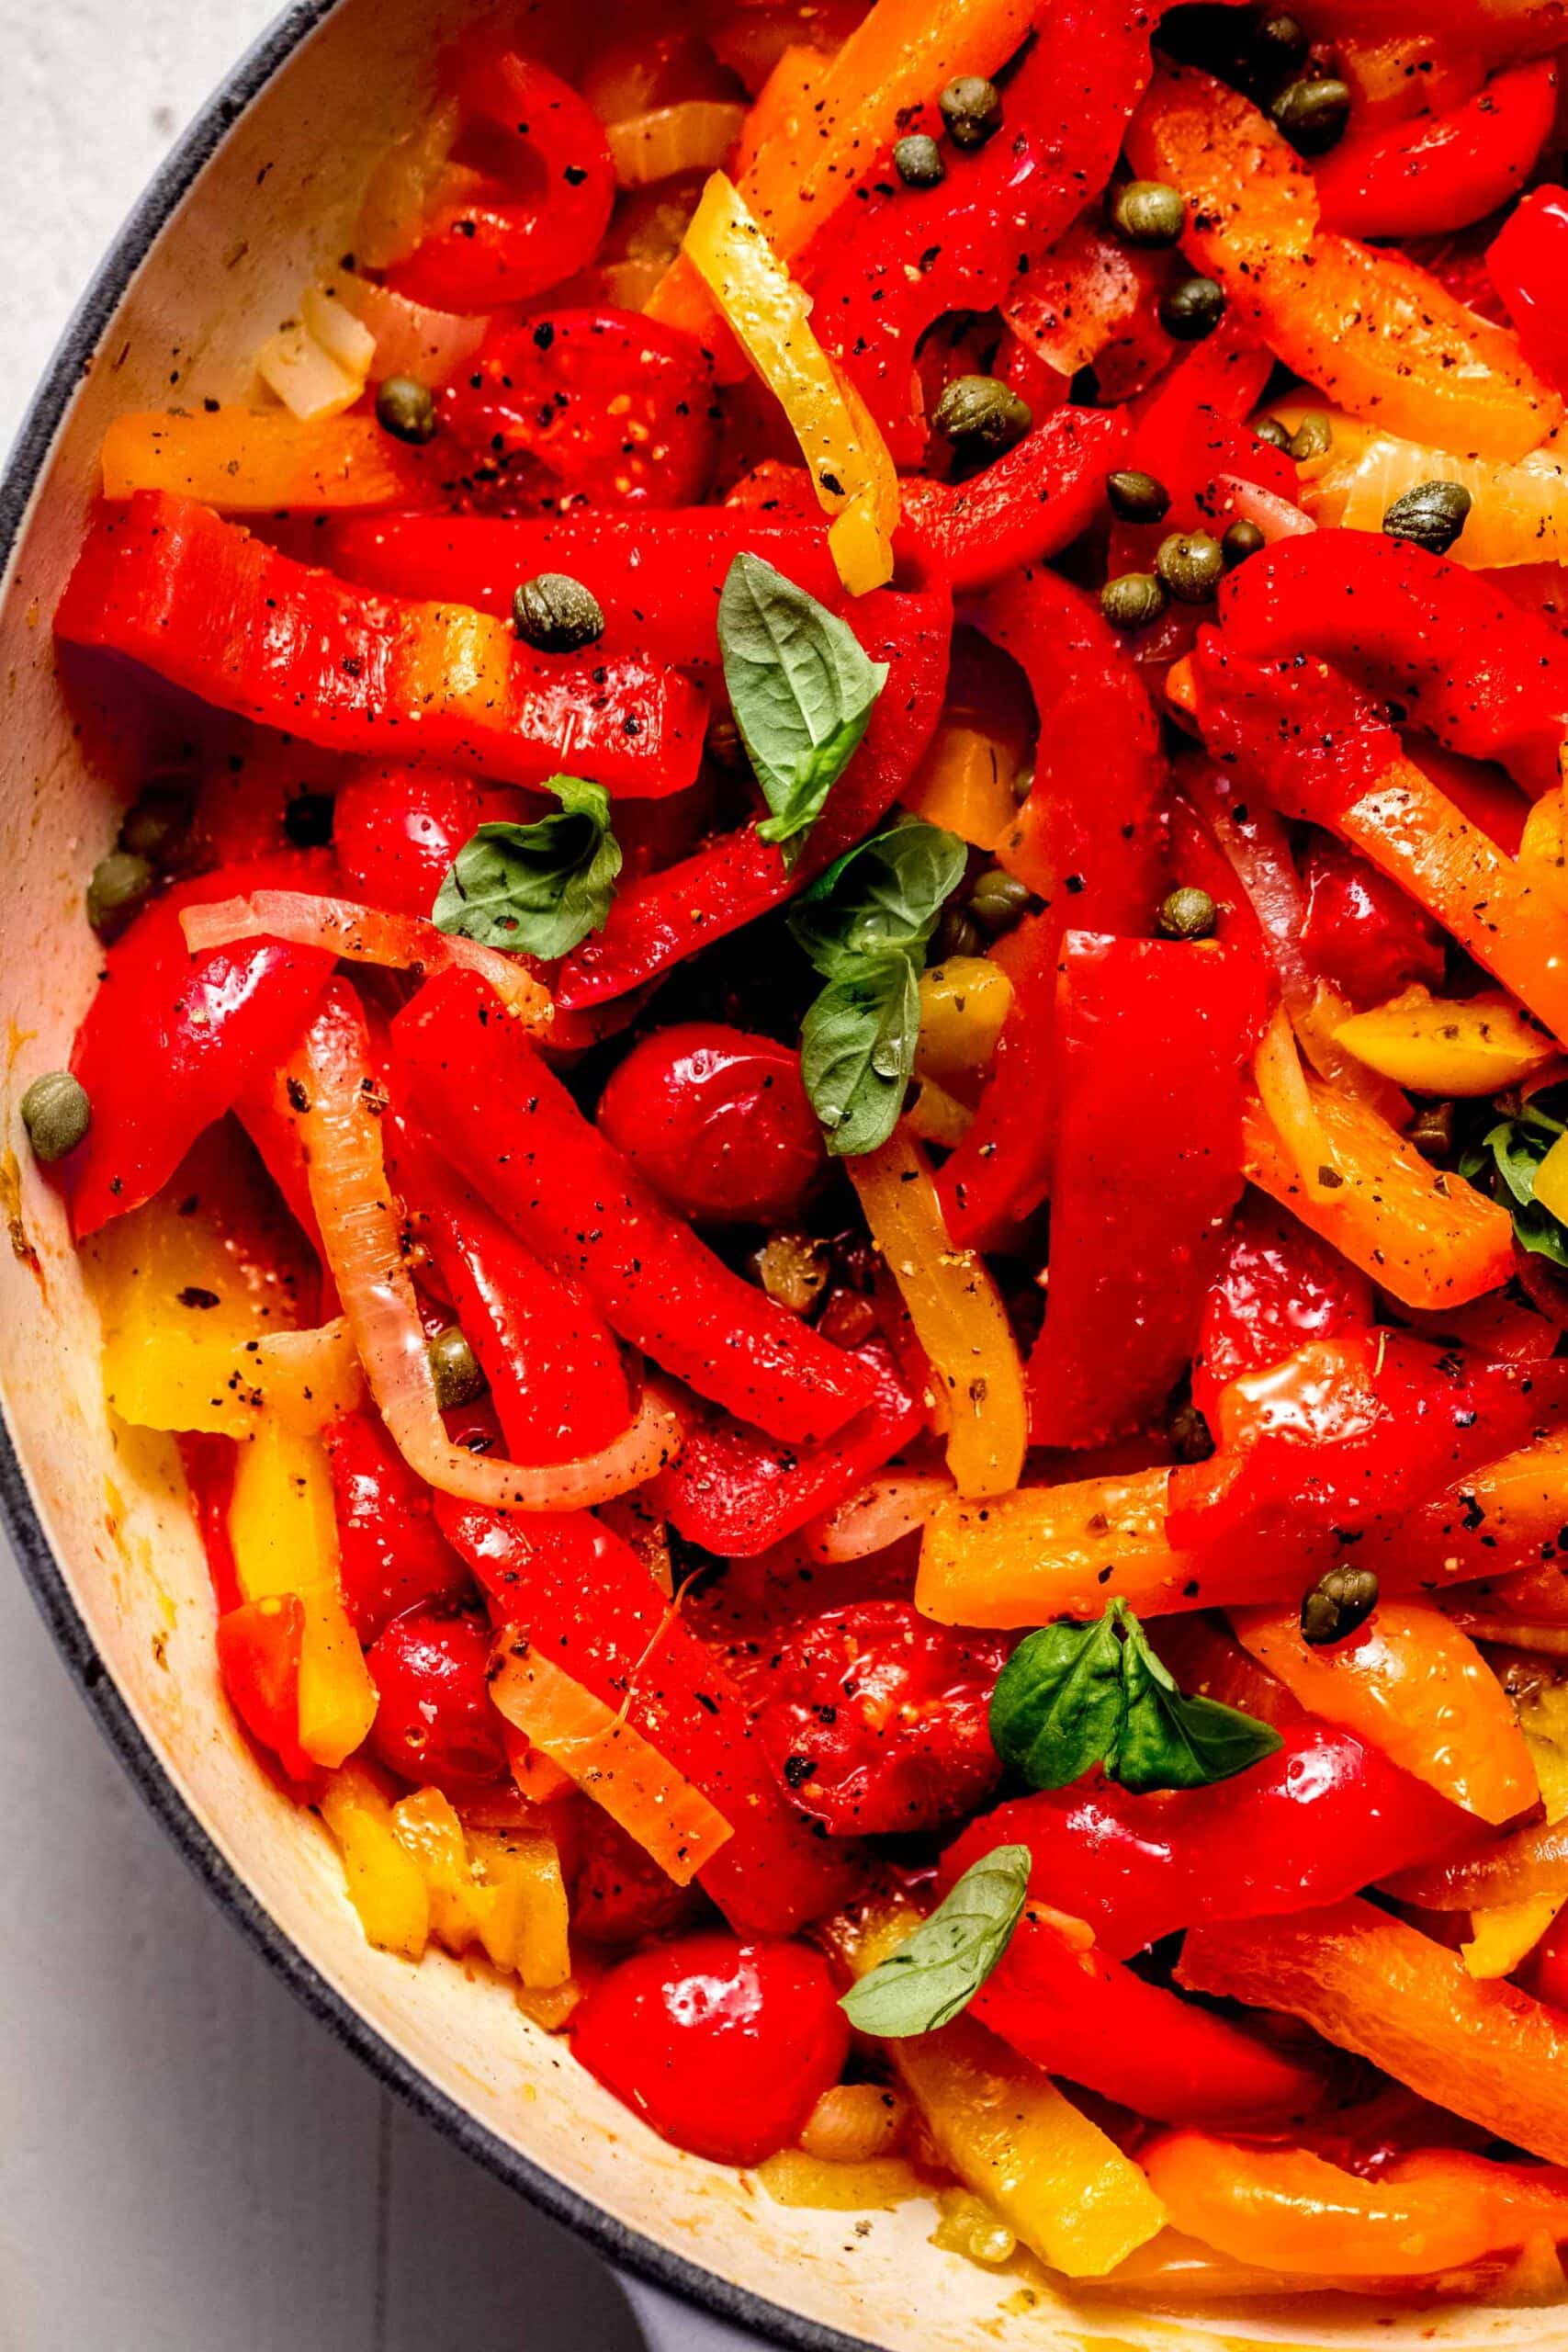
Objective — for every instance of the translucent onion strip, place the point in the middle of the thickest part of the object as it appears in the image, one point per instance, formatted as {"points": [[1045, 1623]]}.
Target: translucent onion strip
{"points": [[364, 935], [1285, 1095], [1525, 1863], [410, 338], [362, 1236], [882, 1514], [695, 136]]}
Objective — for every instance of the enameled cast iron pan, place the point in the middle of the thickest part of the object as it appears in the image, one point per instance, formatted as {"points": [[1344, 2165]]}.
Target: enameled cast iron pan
{"points": [[260, 195]]}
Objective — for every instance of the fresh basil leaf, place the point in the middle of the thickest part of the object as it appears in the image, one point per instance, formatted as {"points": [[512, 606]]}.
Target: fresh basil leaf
{"points": [[884, 897], [540, 887], [927, 1981], [1170, 1741], [1505, 1162], [857, 1049], [802, 689], [1058, 1703]]}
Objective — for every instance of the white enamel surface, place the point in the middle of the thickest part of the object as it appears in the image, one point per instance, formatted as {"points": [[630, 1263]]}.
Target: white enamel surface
{"points": [[279, 198]]}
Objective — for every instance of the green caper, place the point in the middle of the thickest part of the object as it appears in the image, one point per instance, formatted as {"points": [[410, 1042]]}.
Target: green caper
{"points": [[1431, 516], [1269, 429], [971, 109], [1337, 1604], [307, 819], [1313, 114], [1136, 600], [406, 410], [997, 902], [56, 1113], [1279, 41], [1187, 913], [1190, 564], [1189, 1434], [556, 614], [957, 934], [157, 821], [1023, 784], [1432, 1131], [455, 1369], [1313, 437], [1135, 497], [918, 160], [1192, 308], [981, 416], [794, 1269], [1238, 541], [1147, 212], [116, 889]]}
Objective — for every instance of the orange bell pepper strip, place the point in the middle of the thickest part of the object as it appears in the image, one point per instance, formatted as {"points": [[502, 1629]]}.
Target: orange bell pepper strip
{"points": [[1044, 1552], [1500, 1520], [253, 461], [1290, 2209], [896, 60], [778, 114], [1377, 335], [957, 1312], [1415, 1687], [1374, 1986]]}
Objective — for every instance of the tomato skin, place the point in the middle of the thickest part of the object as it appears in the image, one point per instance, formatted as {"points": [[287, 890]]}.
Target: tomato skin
{"points": [[435, 1722], [723, 2047], [877, 1719], [1362, 932], [1279, 1287], [719, 1122], [396, 831], [619, 1894], [391, 1554]]}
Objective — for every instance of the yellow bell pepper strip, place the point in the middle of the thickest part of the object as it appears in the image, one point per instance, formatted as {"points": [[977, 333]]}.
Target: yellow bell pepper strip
{"points": [[964, 784], [851, 470], [1374, 1986], [871, 2185], [427, 1827], [1431, 1045], [1060, 2184], [1290, 2209], [1503, 1936], [1044, 1552], [894, 61], [253, 462], [386, 1884], [936, 1116], [1412, 1686], [1517, 512], [963, 1004], [608, 1758], [1377, 335], [524, 1929], [283, 1531], [957, 1312], [1427, 1237]]}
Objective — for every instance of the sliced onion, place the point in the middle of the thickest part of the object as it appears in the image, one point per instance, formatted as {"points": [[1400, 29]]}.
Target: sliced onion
{"points": [[880, 1515], [1515, 1868], [362, 1237], [365, 936], [309, 381], [407, 338], [1286, 1096], [695, 136], [342, 335], [608, 1758], [1274, 516], [397, 196]]}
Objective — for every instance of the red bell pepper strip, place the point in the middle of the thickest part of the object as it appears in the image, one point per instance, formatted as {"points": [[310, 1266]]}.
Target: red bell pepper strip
{"points": [[896, 262], [207, 1462], [1028, 506], [1077, 2014], [1096, 856], [201, 602], [553, 1372], [1526, 260], [391, 1555], [657, 922], [1226, 374], [1150, 1040], [536, 220], [1279, 1287], [736, 1494], [1322, 1817], [170, 1043], [584, 1599], [258, 1663], [1485, 678], [657, 574], [489, 1101], [1424, 178]]}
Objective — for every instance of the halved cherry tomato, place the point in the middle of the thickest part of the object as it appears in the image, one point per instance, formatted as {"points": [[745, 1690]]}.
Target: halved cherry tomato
{"points": [[619, 1894], [1362, 932], [435, 1720], [396, 831], [718, 1121], [391, 1554]]}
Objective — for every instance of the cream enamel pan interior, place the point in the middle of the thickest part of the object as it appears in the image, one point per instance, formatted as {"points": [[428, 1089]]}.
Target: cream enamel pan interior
{"points": [[264, 189]]}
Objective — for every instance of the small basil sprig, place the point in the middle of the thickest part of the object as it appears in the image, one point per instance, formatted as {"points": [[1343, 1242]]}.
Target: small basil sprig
{"points": [[1505, 1162], [865, 925], [802, 690], [1075, 1695], [939, 1971], [540, 888]]}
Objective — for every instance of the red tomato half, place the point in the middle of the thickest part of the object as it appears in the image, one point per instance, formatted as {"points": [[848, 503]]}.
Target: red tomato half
{"points": [[391, 1554], [878, 1719], [719, 1122], [396, 831], [434, 1720], [723, 2047]]}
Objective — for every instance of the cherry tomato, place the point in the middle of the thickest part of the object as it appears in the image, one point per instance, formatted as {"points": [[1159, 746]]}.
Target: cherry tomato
{"points": [[877, 1719], [1362, 932], [434, 1720], [391, 1555], [718, 1121], [1279, 1287], [608, 407], [620, 1896], [723, 2047], [396, 831]]}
